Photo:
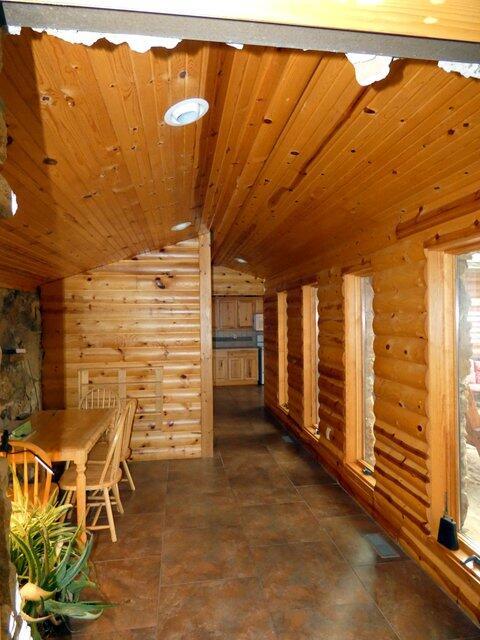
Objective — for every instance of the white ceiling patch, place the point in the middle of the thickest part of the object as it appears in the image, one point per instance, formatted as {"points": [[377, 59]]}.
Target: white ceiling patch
{"points": [[369, 68], [135, 42], [466, 69]]}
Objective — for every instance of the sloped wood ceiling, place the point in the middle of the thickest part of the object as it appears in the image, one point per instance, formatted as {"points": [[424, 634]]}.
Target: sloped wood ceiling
{"points": [[293, 158]]}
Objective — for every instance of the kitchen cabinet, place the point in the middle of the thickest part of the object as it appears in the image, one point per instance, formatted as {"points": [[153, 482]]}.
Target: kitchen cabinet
{"points": [[227, 313], [235, 312], [245, 312], [235, 366], [220, 366]]}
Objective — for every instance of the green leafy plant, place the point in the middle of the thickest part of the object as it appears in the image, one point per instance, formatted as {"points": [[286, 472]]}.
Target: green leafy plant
{"points": [[52, 567]]}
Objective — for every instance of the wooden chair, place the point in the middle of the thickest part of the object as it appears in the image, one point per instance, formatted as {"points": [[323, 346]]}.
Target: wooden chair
{"points": [[99, 451], [99, 398], [32, 468], [100, 480]]}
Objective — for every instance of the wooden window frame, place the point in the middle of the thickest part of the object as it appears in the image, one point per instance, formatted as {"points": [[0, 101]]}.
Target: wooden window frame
{"points": [[310, 357], [354, 376], [282, 337], [441, 252], [443, 387]]}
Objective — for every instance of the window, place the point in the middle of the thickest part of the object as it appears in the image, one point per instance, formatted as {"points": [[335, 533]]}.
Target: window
{"points": [[310, 356], [467, 451], [282, 351], [359, 371]]}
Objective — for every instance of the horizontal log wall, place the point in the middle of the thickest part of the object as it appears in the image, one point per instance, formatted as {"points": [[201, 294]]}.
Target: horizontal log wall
{"points": [[144, 311], [400, 497], [229, 282]]}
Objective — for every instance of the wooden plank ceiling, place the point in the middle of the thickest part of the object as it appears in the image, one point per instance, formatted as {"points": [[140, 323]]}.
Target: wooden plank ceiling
{"points": [[293, 158]]}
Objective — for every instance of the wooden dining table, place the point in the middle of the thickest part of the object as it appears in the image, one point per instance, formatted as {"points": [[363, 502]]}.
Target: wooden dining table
{"points": [[67, 435]]}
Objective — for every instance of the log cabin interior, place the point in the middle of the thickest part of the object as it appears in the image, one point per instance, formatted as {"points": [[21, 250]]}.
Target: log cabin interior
{"points": [[247, 240]]}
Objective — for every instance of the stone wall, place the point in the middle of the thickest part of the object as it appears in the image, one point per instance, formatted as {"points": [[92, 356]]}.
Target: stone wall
{"points": [[20, 326]]}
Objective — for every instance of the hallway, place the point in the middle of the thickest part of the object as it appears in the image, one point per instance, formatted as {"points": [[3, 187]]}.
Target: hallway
{"points": [[257, 543]]}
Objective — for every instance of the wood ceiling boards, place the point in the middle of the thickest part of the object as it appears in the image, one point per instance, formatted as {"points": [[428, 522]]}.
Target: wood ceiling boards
{"points": [[293, 158]]}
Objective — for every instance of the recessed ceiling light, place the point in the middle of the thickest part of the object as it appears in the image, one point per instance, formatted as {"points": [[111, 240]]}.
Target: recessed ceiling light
{"points": [[186, 112], [14, 204], [181, 226], [241, 260]]}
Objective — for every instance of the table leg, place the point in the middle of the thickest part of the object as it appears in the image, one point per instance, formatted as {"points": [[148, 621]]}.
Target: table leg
{"points": [[81, 497]]}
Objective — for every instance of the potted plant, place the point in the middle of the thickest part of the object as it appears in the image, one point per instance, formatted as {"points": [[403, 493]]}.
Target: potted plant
{"points": [[51, 565]]}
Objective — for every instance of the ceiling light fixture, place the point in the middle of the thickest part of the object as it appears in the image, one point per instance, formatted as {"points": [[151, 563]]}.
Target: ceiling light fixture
{"points": [[181, 226], [186, 112], [241, 260], [14, 203]]}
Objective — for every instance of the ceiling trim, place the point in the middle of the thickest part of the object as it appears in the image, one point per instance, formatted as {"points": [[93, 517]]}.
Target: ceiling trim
{"points": [[455, 20], [51, 15]]}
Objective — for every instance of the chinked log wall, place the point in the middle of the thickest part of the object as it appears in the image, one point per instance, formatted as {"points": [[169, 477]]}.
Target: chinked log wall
{"points": [[401, 496], [149, 311]]}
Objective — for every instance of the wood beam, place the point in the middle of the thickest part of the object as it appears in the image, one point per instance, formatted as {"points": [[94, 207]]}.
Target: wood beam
{"points": [[206, 345]]}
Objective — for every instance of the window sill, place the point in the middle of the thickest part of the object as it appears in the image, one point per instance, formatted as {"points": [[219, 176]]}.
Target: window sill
{"points": [[284, 408], [460, 556], [357, 468]]}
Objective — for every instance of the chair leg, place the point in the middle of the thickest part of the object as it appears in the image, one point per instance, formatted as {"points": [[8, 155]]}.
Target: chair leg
{"points": [[97, 515], [118, 502], [111, 521], [128, 474]]}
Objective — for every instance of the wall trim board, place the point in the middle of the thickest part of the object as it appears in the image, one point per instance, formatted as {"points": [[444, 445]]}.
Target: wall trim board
{"points": [[206, 367], [423, 221]]}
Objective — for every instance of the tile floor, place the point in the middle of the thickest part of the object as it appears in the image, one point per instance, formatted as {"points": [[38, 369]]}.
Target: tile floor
{"points": [[257, 543]]}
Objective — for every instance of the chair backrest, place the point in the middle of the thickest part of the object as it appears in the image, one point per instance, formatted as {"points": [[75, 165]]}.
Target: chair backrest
{"points": [[113, 458], [27, 462], [99, 398], [130, 411]]}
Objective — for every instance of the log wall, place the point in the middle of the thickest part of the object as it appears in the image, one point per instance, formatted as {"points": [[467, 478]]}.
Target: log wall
{"points": [[400, 497], [144, 312], [229, 282]]}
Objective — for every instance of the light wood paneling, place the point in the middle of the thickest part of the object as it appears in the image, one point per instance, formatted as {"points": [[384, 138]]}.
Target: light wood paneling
{"points": [[229, 282], [99, 176], [145, 312]]}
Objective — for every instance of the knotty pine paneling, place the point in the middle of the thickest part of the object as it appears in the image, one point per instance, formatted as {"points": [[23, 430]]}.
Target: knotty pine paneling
{"points": [[143, 311], [229, 282], [401, 496], [99, 177]]}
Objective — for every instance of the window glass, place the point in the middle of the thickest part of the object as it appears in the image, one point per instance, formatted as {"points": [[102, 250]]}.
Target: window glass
{"points": [[468, 374], [368, 358]]}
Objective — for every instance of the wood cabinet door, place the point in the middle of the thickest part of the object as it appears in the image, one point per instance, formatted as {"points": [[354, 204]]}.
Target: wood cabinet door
{"points": [[246, 309], [236, 368], [227, 314], [251, 366], [220, 367]]}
